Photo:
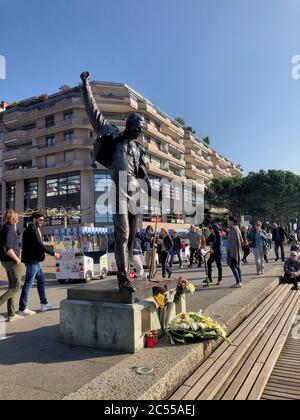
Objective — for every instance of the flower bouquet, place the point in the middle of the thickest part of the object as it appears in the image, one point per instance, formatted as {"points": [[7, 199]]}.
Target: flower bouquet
{"points": [[191, 327]]}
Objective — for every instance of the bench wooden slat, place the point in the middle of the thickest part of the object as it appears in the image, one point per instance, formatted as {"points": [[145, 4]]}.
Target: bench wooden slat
{"points": [[245, 371]]}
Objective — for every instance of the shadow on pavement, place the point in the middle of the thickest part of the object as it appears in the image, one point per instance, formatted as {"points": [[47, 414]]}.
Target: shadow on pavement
{"points": [[41, 346]]}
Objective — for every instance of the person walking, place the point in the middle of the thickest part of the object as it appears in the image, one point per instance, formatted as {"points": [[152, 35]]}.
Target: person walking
{"points": [[176, 250], [215, 242], [279, 234], [258, 242], [245, 244], [165, 245], [147, 245], [194, 238], [10, 253], [33, 253], [201, 247], [137, 256], [234, 250]]}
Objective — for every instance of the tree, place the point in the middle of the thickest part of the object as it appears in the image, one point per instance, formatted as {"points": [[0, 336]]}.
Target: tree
{"points": [[227, 193], [181, 121], [272, 196], [65, 88], [207, 140]]}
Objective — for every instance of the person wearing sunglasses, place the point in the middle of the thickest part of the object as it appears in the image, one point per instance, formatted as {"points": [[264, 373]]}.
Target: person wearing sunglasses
{"points": [[33, 253]]}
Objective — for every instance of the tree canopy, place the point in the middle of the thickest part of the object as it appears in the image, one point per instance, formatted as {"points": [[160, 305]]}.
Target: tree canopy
{"points": [[270, 196]]}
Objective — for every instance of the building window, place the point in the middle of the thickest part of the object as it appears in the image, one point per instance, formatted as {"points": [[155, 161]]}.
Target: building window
{"points": [[69, 135], [68, 115], [50, 161], [49, 121], [63, 190], [102, 185], [30, 193], [69, 156], [50, 141], [10, 195]]}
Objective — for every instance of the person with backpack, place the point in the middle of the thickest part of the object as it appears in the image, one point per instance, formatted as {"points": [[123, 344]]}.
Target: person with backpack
{"points": [[10, 253]]}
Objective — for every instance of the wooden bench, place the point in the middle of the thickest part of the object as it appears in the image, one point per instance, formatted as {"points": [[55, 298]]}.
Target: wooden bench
{"points": [[284, 382], [241, 371]]}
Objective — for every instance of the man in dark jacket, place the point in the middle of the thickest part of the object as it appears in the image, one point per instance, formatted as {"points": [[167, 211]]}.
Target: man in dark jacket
{"points": [[279, 234], [33, 253], [176, 250]]}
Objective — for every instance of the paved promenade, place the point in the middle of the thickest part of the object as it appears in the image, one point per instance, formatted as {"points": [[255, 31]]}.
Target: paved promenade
{"points": [[33, 365]]}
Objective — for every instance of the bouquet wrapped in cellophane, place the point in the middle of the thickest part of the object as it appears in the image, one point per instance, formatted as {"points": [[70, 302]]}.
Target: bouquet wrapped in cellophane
{"points": [[191, 327]]}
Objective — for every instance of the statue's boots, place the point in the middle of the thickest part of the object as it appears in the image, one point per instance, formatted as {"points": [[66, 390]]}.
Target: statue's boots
{"points": [[125, 284]]}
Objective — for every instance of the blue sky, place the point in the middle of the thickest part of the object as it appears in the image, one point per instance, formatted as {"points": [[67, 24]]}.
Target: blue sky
{"points": [[223, 65]]}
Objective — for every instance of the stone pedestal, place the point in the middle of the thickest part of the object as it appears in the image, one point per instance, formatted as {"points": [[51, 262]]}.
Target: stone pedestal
{"points": [[101, 317]]}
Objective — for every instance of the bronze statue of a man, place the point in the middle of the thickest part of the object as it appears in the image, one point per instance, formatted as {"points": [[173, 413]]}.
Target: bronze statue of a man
{"points": [[120, 153]]}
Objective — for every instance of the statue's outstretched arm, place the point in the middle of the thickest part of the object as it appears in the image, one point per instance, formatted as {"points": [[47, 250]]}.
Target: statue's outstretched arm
{"points": [[99, 123]]}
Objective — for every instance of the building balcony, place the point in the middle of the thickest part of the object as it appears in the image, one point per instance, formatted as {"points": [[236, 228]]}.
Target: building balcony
{"points": [[18, 135], [193, 172], [191, 142], [220, 161], [116, 103], [63, 125], [35, 172], [236, 171], [18, 153], [22, 115], [218, 172], [192, 157], [151, 129], [63, 146], [155, 169]]}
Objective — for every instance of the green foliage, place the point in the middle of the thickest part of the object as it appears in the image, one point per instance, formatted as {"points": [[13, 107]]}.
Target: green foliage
{"points": [[270, 196]]}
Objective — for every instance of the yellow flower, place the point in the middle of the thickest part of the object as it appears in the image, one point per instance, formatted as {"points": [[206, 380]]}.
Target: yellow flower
{"points": [[160, 300]]}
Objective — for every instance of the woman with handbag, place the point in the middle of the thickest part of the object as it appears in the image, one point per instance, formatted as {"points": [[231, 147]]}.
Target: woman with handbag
{"points": [[245, 244]]}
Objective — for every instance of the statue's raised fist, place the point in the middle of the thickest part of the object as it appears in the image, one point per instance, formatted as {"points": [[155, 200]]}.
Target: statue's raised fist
{"points": [[85, 76]]}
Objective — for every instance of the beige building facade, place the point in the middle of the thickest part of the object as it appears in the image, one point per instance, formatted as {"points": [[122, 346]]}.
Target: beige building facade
{"points": [[46, 144]]}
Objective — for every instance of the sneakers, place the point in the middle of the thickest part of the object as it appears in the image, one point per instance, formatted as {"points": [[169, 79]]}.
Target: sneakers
{"points": [[14, 318], [46, 307], [26, 312], [237, 286]]}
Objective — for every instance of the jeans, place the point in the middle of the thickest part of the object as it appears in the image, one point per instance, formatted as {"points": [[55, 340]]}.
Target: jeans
{"points": [[172, 253], [281, 246], [33, 271], [218, 259], [236, 270], [246, 250], [14, 274], [138, 265], [164, 258], [259, 255]]}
